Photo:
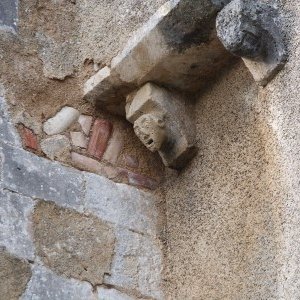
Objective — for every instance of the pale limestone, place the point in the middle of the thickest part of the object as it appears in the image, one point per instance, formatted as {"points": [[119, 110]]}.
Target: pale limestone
{"points": [[86, 123], [45, 284], [114, 147], [112, 294], [56, 147], [79, 140], [121, 204], [61, 121], [15, 225]]}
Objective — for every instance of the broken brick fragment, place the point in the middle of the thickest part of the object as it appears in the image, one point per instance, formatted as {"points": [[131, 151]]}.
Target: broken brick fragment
{"points": [[142, 181], [29, 139], [101, 133]]}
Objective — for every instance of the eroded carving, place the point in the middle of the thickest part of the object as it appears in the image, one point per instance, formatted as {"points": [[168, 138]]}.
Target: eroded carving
{"points": [[249, 29], [162, 122]]}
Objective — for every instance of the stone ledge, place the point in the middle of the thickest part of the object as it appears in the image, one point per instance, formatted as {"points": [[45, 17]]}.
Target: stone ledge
{"points": [[176, 48]]}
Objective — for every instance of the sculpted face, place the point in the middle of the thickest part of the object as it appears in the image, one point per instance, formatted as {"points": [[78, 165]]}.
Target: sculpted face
{"points": [[150, 130]]}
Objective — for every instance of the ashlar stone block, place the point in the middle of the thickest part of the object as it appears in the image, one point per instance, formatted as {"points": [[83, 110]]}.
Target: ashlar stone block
{"points": [[46, 285], [14, 275], [73, 244]]}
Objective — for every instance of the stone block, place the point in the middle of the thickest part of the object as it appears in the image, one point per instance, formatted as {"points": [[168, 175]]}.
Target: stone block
{"points": [[79, 139], [142, 181], [28, 121], [162, 120], [88, 164], [121, 204], [100, 136], [73, 244], [56, 147], [15, 225], [251, 30], [8, 132], [29, 138], [61, 121], [46, 285], [14, 275], [177, 47], [37, 177], [112, 294], [9, 14], [86, 123], [137, 264], [114, 148]]}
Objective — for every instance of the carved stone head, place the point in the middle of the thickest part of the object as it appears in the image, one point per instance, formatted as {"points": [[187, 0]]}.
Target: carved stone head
{"points": [[240, 31], [150, 129]]}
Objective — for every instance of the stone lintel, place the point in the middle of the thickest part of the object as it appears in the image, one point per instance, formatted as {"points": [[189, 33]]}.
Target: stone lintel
{"points": [[176, 48]]}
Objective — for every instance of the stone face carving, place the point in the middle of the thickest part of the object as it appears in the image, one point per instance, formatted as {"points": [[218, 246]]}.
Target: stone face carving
{"points": [[249, 29], [150, 129], [162, 122]]}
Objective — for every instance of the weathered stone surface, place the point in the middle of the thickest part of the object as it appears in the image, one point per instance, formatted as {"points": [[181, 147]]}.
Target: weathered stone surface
{"points": [[7, 130], [131, 161], [9, 13], [121, 204], [56, 147], [73, 244], [37, 177], [142, 181], [112, 294], [100, 136], [29, 138], [46, 285], [86, 123], [61, 121], [114, 148], [137, 264], [88, 164], [79, 139], [251, 30], [14, 275], [15, 228], [162, 120], [28, 121], [177, 47]]}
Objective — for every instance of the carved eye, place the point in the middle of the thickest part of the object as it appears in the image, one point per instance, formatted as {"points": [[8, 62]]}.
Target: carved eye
{"points": [[150, 142]]}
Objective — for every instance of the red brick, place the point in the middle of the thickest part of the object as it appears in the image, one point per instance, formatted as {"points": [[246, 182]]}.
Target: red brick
{"points": [[29, 138], [101, 134], [142, 181]]}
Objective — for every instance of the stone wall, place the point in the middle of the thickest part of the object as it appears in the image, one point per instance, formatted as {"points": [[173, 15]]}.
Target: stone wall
{"points": [[232, 215], [66, 234]]}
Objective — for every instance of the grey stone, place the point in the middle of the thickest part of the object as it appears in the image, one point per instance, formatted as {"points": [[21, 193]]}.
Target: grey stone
{"points": [[73, 244], [15, 235], [36, 177], [56, 147], [120, 204], [250, 29], [46, 285], [168, 49], [9, 13], [137, 264], [7, 130], [14, 275], [112, 294]]}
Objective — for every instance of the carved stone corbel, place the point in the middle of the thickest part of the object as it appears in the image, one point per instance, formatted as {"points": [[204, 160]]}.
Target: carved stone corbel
{"points": [[250, 29], [161, 120]]}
